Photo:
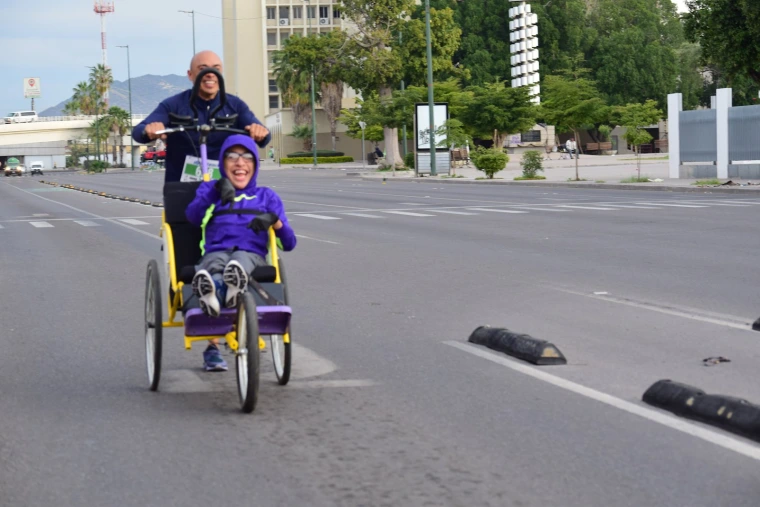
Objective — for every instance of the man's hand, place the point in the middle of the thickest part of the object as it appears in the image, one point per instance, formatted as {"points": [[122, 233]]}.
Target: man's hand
{"points": [[264, 222], [258, 132], [226, 190], [152, 128]]}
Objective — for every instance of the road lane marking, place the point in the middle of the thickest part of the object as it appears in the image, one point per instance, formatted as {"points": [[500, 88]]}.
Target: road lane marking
{"points": [[673, 205], [320, 217], [41, 224], [132, 221], [546, 209], [450, 212], [719, 439], [317, 239], [496, 210], [86, 223], [363, 215], [595, 208], [409, 213]]}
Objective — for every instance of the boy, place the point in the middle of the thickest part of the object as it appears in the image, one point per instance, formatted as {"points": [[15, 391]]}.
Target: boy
{"points": [[233, 244]]}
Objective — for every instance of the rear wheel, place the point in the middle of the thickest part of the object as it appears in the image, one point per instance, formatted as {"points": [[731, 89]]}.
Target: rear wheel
{"points": [[281, 351], [247, 354], [153, 324]]}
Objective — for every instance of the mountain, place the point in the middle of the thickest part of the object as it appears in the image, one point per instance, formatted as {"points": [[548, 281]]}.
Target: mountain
{"points": [[147, 92]]}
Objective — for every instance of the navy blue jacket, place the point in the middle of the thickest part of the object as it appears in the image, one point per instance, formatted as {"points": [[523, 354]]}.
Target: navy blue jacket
{"points": [[181, 144]]}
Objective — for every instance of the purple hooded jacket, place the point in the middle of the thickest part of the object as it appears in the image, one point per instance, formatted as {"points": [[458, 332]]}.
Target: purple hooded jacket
{"points": [[225, 232]]}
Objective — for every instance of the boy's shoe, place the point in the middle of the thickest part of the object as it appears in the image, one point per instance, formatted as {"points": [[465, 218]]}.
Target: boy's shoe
{"points": [[205, 289], [237, 281], [213, 360]]}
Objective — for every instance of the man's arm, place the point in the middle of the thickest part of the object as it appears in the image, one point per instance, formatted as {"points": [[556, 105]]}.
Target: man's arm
{"points": [[159, 115], [246, 118]]}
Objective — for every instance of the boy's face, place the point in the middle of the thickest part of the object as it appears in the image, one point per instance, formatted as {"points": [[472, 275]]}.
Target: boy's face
{"points": [[239, 166]]}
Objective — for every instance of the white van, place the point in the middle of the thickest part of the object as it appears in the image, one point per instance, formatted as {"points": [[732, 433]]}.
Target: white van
{"points": [[21, 117]]}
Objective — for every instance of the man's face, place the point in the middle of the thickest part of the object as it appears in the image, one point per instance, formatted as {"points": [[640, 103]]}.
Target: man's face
{"points": [[238, 167], [210, 85]]}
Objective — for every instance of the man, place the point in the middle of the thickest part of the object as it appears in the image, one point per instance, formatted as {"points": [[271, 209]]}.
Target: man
{"points": [[183, 144]]}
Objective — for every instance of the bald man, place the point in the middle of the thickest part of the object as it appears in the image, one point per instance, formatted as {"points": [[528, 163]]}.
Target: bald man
{"points": [[181, 145]]}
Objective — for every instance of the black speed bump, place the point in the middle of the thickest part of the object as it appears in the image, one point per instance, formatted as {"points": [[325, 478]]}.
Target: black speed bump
{"points": [[521, 346], [729, 413], [756, 325]]}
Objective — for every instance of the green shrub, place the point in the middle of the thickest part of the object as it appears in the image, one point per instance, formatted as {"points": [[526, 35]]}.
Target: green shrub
{"points": [[489, 161], [320, 160], [409, 160], [532, 162], [320, 153]]}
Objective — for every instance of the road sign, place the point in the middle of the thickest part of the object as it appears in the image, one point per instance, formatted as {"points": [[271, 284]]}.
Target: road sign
{"points": [[32, 88]]}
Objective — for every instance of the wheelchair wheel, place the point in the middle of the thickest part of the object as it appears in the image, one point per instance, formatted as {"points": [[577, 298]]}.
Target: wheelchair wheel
{"points": [[281, 351], [247, 354], [153, 324]]}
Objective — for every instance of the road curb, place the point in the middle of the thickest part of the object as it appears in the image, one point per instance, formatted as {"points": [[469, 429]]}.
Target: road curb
{"points": [[520, 346], [556, 184], [726, 412]]}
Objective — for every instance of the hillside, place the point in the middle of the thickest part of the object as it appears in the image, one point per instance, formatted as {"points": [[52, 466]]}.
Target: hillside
{"points": [[147, 92]]}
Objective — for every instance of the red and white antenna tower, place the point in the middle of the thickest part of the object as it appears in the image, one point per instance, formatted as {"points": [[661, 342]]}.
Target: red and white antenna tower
{"points": [[103, 8]]}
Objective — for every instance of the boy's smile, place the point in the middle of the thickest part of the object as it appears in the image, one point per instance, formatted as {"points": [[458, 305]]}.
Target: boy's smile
{"points": [[238, 167]]}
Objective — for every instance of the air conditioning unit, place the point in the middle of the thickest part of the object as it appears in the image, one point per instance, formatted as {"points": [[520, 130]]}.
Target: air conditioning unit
{"points": [[324, 21], [284, 21]]}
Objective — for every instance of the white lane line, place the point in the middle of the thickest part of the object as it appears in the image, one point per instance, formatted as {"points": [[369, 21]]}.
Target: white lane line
{"points": [[41, 224], [86, 223], [673, 205], [450, 212], [299, 236], [596, 208], [320, 217], [408, 213], [734, 205], [40, 214], [414, 203], [132, 221], [319, 384], [629, 206], [363, 215], [660, 417], [546, 209], [496, 210]]}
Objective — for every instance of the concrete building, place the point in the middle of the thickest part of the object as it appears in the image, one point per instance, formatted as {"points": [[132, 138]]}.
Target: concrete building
{"points": [[253, 31]]}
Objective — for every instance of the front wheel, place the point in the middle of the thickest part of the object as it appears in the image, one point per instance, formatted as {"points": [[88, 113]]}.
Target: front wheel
{"points": [[247, 354], [281, 351], [153, 324]]}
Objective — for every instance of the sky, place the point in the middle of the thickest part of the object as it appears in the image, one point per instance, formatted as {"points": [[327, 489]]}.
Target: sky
{"points": [[55, 40]]}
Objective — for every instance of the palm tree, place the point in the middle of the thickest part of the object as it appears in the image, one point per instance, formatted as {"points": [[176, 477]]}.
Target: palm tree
{"points": [[119, 122], [71, 108], [101, 79], [84, 97], [294, 85]]}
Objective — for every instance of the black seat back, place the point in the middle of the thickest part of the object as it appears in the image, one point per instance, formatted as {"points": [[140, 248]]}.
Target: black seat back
{"points": [[186, 236]]}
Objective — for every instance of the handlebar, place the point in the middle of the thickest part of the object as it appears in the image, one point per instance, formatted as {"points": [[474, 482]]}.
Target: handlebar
{"points": [[204, 128]]}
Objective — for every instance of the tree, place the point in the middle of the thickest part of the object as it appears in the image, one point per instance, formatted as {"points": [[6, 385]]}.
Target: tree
{"points": [[495, 110], [691, 84], [294, 85], [101, 79], [374, 61], [85, 98], [119, 123], [634, 117], [569, 104], [71, 108], [304, 133], [728, 31], [489, 160]]}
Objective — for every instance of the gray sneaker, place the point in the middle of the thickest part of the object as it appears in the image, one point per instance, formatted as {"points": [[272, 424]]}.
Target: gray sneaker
{"points": [[205, 289], [237, 281]]}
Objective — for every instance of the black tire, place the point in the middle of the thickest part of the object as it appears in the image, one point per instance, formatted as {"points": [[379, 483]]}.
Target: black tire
{"points": [[153, 324], [247, 354], [282, 353]]}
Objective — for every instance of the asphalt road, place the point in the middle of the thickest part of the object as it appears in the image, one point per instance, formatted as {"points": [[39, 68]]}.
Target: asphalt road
{"points": [[389, 405]]}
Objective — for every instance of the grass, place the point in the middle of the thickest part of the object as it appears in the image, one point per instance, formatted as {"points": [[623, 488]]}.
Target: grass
{"points": [[600, 181], [666, 157], [452, 176], [482, 178], [390, 169], [579, 179], [636, 179], [523, 178], [713, 181]]}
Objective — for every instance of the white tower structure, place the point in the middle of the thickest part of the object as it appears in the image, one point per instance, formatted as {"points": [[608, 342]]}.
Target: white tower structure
{"points": [[523, 38], [103, 8]]}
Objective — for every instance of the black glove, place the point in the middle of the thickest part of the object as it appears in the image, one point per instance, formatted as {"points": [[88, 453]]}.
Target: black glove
{"points": [[263, 222], [227, 191]]}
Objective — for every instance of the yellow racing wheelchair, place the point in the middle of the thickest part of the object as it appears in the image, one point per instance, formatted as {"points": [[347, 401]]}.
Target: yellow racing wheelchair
{"points": [[262, 311]]}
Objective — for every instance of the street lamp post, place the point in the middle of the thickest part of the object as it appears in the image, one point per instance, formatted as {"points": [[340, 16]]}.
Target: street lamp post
{"points": [[129, 82], [402, 89], [364, 158], [193, 15], [313, 107], [430, 87]]}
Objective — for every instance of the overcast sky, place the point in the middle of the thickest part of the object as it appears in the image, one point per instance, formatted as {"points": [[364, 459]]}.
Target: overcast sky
{"points": [[54, 40]]}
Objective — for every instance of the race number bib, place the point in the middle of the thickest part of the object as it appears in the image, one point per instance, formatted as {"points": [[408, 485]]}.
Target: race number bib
{"points": [[192, 169]]}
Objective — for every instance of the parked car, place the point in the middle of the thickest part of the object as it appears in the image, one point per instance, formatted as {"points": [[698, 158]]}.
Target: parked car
{"points": [[36, 168], [21, 117], [153, 154], [14, 171]]}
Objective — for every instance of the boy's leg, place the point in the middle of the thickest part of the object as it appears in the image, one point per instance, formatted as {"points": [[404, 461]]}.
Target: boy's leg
{"points": [[236, 273], [209, 286]]}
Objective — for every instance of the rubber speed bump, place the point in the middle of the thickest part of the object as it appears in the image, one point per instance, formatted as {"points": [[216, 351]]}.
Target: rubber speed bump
{"points": [[756, 325], [521, 346], [731, 414], [158, 204]]}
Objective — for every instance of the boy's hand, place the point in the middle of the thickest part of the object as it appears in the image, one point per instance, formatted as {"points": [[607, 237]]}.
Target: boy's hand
{"points": [[227, 191], [264, 222]]}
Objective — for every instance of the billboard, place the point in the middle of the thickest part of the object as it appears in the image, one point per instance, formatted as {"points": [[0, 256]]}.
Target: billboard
{"points": [[422, 114], [32, 88]]}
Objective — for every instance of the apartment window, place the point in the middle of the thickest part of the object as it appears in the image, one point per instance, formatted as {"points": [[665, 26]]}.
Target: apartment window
{"points": [[271, 38], [284, 37], [297, 12], [311, 12], [271, 13], [274, 102], [284, 12], [336, 12], [324, 12], [272, 86], [533, 136]]}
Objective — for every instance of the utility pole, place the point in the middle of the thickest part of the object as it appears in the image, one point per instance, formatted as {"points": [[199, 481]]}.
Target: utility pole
{"points": [[313, 108], [364, 158], [129, 82], [430, 88], [192, 13], [403, 146]]}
